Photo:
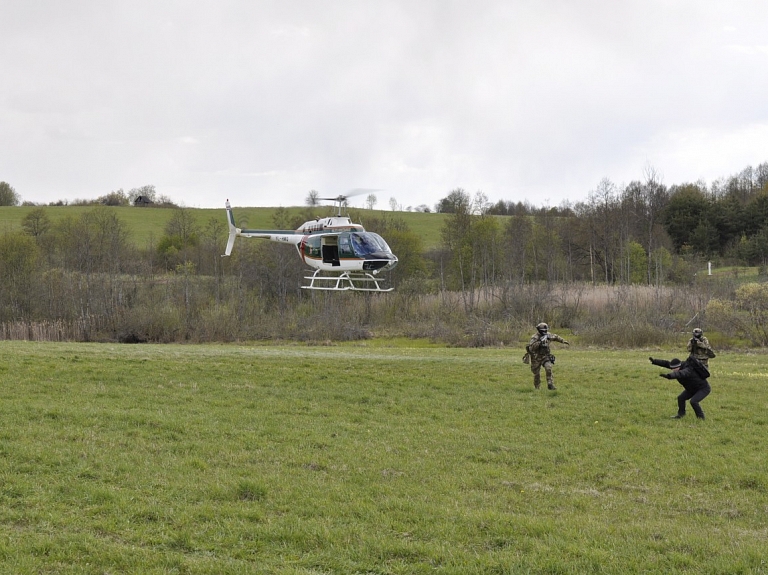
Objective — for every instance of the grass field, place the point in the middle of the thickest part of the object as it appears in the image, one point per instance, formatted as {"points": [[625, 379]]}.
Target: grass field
{"points": [[374, 459], [148, 224]]}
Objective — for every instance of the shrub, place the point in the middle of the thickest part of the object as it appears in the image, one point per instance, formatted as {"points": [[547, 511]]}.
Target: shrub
{"points": [[746, 316]]}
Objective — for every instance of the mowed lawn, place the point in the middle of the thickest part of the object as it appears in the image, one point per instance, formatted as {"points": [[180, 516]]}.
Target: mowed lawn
{"points": [[373, 459]]}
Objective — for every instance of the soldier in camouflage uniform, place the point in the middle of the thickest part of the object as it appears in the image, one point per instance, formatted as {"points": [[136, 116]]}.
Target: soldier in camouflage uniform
{"points": [[541, 356], [699, 347]]}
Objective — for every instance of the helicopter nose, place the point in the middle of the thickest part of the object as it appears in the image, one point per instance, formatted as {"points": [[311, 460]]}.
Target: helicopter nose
{"points": [[380, 261]]}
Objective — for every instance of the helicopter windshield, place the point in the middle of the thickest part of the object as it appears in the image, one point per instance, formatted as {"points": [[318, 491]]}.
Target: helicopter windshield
{"points": [[365, 243]]}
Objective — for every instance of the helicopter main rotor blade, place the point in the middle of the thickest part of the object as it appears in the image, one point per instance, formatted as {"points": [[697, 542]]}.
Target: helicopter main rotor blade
{"points": [[351, 193], [360, 191]]}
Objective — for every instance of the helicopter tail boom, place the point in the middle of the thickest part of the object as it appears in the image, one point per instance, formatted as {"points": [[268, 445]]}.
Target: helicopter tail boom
{"points": [[282, 236]]}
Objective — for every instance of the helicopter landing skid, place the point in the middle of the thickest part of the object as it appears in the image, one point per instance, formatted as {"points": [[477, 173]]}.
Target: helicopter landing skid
{"points": [[345, 282]]}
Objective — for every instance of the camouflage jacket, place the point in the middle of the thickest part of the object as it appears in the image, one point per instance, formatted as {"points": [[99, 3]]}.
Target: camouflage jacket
{"points": [[700, 348], [538, 348]]}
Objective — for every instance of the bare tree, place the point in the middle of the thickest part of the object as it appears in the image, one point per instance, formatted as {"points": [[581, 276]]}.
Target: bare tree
{"points": [[547, 249], [761, 175], [183, 225], [655, 199], [517, 235], [36, 223], [480, 204], [599, 215], [313, 198], [213, 237], [18, 265], [370, 201]]}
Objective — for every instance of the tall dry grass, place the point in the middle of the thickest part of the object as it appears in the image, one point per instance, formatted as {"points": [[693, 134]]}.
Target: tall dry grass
{"points": [[197, 311]]}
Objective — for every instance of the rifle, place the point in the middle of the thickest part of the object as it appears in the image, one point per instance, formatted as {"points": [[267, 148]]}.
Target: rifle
{"points": [[544, 341]]}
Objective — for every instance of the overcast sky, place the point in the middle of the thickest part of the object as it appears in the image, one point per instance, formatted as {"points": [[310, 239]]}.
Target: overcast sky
{"points": [[261, 101]]}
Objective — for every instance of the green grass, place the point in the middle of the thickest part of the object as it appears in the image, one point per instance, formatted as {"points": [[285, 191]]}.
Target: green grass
{"points": [[373, 459], [427, 226], [148, 224], [737, 272], [145, 224]]}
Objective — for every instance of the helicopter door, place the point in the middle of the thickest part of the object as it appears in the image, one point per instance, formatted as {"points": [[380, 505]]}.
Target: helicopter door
{"points": [[331, 251]]}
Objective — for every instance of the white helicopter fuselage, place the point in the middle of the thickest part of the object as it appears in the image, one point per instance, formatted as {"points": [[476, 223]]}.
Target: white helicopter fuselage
{"points": [[332, 244]]}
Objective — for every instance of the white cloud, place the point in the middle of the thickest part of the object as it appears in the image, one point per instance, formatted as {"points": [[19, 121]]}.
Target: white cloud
{"points": [[261, 102], [708, 153], [748, 50]]}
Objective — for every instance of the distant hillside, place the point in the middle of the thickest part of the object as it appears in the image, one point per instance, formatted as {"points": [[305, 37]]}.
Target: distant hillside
{"points": [[148, 224]]}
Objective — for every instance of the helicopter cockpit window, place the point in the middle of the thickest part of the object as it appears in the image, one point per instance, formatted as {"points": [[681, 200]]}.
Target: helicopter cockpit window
{"points": [[364, 243]]}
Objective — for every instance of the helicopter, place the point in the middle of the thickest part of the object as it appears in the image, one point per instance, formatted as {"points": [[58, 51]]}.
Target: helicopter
{"points": [[343, 255]]}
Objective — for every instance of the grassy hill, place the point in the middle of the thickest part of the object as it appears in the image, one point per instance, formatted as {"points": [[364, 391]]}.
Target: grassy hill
{"points": [[148, 224]]}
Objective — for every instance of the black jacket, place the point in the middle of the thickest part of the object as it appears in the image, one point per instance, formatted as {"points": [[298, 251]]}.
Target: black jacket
{"points": [[692, 375]]}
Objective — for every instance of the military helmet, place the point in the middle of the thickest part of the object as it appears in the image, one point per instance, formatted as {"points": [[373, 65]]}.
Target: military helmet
{"points": [[697, 332], [542, 327]]}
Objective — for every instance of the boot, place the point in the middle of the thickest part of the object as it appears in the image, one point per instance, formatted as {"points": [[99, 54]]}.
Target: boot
{"points": [[678, 416], [551, 386]]}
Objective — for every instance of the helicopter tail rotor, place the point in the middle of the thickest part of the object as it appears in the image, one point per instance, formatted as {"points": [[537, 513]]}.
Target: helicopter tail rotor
{"points": [[233, 231]]}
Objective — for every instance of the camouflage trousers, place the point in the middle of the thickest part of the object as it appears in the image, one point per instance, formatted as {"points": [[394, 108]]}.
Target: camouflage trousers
{"points": [[537, 362]]}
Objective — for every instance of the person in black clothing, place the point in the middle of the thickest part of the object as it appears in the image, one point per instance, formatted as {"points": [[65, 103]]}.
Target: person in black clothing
{"points": [[692, 375]]}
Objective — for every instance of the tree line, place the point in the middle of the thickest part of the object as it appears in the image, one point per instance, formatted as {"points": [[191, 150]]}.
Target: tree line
{"points": [[148, 195], [643, 232], [492, 274]]}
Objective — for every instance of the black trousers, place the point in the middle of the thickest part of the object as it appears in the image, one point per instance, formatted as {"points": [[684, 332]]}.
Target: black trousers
{"points": [[695, 396]]}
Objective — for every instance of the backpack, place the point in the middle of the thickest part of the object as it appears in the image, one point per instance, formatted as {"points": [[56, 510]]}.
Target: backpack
{"points": [[698, 367]]}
